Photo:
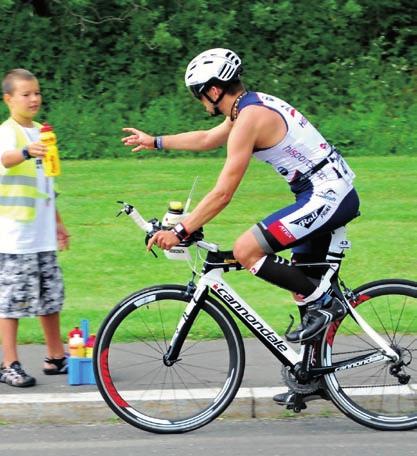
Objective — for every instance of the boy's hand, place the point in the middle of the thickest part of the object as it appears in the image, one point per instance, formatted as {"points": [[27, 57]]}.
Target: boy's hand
{"points": [[138, 138], [37, 149], [62, 236]]}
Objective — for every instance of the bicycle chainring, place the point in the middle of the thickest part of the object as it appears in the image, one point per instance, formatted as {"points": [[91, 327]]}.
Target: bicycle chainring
{"points": [[294, 385]]}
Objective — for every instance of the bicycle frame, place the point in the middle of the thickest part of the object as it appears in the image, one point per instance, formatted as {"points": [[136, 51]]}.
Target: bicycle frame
{"points": [[214, 282]]}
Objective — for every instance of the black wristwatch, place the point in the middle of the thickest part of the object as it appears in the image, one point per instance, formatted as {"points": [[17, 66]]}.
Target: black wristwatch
{"points": [[180, 231], [25, 153]]}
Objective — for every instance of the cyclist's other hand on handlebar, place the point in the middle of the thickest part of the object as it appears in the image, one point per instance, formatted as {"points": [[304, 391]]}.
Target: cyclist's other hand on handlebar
{"points": [[164, 240], [138, 138]]}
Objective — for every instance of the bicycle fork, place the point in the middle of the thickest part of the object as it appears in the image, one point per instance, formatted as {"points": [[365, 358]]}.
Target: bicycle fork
{"points": [[185, 323]]}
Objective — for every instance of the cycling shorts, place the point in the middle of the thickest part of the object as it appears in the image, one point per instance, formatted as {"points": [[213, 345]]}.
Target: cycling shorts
{"points": [[317, 210]]}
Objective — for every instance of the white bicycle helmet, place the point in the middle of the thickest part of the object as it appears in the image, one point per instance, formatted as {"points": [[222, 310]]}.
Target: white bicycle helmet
{"points": [[214, 65]]}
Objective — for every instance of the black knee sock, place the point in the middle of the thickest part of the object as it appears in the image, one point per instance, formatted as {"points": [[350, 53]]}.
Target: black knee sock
{"points": [[279, 271]]}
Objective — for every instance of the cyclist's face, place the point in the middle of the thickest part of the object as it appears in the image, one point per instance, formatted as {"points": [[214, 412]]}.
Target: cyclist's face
{"points": [[207, 104], [214, 94]]}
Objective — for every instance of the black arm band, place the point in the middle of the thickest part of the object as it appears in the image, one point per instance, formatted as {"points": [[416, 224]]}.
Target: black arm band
{"points": [[180, 231]]}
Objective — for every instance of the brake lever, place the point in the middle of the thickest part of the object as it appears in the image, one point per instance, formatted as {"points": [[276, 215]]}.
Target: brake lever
{"points": [[153, 253], [126, 209], [147, 237]]}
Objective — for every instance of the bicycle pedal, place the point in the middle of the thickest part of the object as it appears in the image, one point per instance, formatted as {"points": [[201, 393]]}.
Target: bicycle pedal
{"points": [[298, 405], [296, 409]]}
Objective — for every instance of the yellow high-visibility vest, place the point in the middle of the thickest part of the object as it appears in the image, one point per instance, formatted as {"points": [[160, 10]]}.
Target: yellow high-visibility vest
{"points": [[18, 184]]}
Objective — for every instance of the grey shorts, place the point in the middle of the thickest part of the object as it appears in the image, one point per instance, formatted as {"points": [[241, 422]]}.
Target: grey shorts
{"points": [[30, 285]]}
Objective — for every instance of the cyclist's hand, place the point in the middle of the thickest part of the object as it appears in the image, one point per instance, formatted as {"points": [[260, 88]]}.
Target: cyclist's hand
{"points": [[163, 239], [139, 139]]}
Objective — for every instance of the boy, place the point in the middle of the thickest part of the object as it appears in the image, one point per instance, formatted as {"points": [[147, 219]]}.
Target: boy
{"points": [[30, 278]]}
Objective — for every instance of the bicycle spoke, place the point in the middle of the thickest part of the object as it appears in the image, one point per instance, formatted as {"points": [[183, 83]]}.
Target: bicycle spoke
{"points": [[381, 322], [407, 330], [151, 333], [193, 397], [201, 367], [360, 339], [135, 352]]}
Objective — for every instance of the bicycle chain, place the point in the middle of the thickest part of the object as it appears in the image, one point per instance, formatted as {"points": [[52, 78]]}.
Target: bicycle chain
{"points": [[294, 385]]}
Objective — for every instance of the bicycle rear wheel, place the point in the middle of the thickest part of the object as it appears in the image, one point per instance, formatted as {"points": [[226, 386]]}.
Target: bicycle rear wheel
{"points": [[146, 393], [381, 395]]}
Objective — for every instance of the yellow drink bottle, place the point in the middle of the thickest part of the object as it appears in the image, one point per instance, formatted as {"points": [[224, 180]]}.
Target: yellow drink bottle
{"points": [[76, 346], [51, 163], [89, 346]]}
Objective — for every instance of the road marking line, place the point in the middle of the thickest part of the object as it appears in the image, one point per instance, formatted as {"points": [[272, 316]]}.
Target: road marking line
{"points": [[256, 393]]}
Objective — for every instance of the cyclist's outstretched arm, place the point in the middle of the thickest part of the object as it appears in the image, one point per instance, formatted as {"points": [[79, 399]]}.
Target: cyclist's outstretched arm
{"points": [[191, 140]]}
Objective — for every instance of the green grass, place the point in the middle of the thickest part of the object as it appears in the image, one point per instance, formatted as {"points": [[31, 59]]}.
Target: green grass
{"points": [[107, 259]]}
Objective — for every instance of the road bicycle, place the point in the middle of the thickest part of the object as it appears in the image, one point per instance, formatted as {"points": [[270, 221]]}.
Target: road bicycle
{"points": [[170, 358]]}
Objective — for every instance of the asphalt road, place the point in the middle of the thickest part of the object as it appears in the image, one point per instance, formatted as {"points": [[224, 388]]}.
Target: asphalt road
{"points": [[297, 437]]}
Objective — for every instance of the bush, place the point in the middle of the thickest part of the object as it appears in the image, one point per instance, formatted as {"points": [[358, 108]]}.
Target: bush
{"points": [[348, 65]]}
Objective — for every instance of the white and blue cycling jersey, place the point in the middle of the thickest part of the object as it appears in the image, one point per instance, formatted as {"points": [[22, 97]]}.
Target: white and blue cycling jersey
{"points": [[317, 174], [302, 148]]}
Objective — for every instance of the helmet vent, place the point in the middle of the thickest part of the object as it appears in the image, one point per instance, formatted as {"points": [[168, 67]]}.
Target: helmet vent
{"points": [[223, 71], [213, 65]]}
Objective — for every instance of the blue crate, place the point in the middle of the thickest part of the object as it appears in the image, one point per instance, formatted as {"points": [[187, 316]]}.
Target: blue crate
{"points": [[80, 370]]}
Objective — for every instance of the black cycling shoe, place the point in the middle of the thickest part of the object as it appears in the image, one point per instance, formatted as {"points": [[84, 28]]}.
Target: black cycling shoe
{"points": [[319, 314], [288, 399]]}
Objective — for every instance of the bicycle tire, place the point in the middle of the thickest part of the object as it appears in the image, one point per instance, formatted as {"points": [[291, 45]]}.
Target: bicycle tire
{"points": [[138, 386], [371, 394]]}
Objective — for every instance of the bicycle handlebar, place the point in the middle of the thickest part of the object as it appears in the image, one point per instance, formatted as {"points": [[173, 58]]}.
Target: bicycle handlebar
{"points": [[132, 212], [154, 225]]}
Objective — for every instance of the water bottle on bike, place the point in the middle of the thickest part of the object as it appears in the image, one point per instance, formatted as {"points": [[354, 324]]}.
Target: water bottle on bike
{"points": [[174, 214]]}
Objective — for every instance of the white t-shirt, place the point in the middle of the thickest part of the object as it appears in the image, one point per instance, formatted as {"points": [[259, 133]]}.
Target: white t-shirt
{"points": [[38, 235]]}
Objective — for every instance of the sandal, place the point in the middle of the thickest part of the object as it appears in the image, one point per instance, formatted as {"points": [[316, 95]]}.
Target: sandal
{"points": [[60, 366]]}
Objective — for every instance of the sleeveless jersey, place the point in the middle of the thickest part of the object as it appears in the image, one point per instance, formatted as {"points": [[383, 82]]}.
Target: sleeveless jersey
{"points": [[302, 148]]}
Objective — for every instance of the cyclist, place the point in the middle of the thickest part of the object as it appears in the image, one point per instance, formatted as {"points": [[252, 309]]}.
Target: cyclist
{"points": [[267, 128]]}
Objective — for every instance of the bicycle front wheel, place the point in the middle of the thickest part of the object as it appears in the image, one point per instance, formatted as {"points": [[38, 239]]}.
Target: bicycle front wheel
{"points": [[145, 392], [374, 391]]}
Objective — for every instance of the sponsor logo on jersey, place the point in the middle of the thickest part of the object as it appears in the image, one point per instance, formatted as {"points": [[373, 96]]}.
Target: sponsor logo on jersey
{"points": [[325, 211], [303, 122], [281, 232], [329, 195], [293, 152], [307, 220]]}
